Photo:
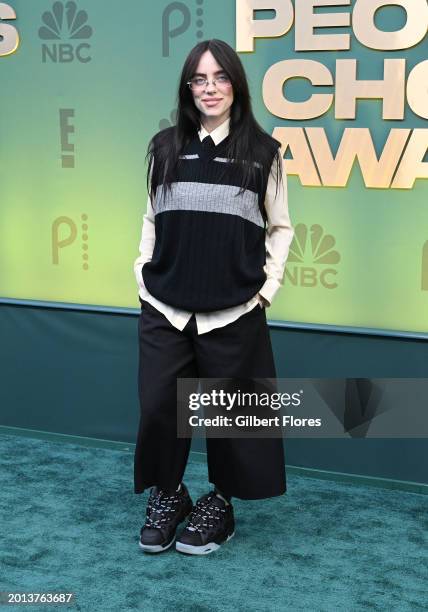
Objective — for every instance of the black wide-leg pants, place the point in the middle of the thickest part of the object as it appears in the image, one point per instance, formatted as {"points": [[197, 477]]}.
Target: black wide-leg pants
{"points": [[246, 468]]}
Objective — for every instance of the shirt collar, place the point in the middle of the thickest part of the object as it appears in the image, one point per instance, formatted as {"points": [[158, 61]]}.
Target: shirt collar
{"points": [[218, 134]]}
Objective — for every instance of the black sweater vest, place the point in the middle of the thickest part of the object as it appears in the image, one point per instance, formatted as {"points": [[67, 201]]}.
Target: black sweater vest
{"points": [[209, 251]]}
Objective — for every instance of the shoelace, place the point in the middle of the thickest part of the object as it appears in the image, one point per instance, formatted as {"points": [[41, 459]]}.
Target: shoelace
{"points": [[160, 504], [204, 514]]}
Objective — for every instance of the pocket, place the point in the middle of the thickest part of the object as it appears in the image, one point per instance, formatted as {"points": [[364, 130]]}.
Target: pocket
{"points": [[255, 310]]}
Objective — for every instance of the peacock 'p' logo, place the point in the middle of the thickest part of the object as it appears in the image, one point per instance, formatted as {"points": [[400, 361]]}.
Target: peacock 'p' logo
{"points": [[317, 247], [313, 252], [66, 33], [65, 21]]}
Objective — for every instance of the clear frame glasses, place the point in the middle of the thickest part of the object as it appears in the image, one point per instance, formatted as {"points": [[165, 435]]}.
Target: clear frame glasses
{"points": [[199, 83]]}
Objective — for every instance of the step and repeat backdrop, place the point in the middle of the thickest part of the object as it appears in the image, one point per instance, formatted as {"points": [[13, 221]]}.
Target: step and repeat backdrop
{"points": [[342, 84]]}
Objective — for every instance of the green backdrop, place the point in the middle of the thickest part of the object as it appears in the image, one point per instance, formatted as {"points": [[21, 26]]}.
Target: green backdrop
{"points": [[78, 106]]}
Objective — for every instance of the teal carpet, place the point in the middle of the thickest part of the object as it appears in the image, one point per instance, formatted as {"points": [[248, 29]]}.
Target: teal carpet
{"points": [[70, 523]]}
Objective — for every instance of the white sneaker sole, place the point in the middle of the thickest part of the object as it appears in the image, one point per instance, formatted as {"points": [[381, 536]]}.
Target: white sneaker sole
{"points": [[200, 550], [155, 548]]}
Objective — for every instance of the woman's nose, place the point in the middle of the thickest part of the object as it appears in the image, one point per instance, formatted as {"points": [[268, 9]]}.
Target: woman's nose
{"points": [[210, 86]]}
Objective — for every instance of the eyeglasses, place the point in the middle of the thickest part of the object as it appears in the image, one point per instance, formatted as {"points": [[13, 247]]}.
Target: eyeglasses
{"points": [[199, 83]]}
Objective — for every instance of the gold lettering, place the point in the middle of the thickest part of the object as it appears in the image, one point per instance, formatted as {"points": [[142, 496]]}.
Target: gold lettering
{"points": [[412, 166], [391, 88], [417, 94], [9, 37], [356, 143], [301, 163], [410, 35], [247, 28], [279, 73], [307, 21]]}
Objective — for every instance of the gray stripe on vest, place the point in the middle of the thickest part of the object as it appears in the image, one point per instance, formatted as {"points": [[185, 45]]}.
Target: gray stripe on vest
{"points": [[227, 160], [209, 197]]}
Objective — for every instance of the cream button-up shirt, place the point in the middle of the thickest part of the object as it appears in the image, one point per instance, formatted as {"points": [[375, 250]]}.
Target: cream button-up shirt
{"points": [[279, 234]]}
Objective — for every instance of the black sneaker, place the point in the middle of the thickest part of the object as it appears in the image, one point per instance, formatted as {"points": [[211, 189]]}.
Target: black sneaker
{"points": [[211, 524], [165, 511]]}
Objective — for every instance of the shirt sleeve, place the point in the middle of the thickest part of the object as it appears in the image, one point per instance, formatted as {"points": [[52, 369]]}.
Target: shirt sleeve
{"points": [[147, 243], [279, 234]]}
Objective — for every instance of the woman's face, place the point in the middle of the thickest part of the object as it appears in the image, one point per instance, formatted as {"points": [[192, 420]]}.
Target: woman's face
{"points": [[213, 101]]}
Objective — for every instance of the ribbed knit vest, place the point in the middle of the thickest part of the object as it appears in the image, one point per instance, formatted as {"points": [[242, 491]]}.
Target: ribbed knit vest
{"points": [[209, 251]]}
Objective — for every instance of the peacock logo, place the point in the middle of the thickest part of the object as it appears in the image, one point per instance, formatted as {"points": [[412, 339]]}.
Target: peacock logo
{"points": [[65, 22], [313, 253], [172, 120]]}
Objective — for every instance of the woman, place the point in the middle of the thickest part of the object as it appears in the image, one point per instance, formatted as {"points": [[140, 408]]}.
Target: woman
{"points": [[213, 248]]}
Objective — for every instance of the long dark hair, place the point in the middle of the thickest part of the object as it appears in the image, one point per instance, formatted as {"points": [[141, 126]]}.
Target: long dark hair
{"points": [[248, 141]]}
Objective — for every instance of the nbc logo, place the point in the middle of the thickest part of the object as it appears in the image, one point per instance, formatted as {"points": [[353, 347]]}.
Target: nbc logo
{"points": [[65, 22], [313, 254]]}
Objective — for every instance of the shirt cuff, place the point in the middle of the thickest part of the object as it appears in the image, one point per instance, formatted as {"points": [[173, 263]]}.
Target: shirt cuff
{"points": [[269, 289]]}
